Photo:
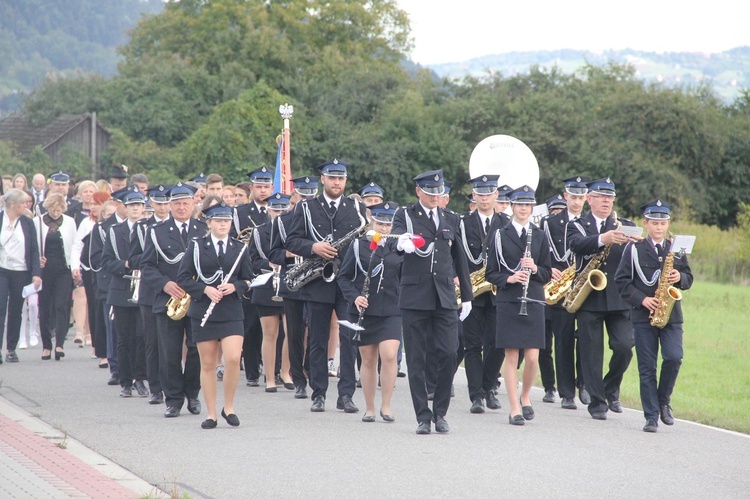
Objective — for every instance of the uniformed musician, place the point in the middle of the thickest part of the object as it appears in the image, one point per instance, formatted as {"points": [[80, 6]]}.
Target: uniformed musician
{"points": [[638, 278], [165, 246], [294, 317], [158, 196], [567, 360], [428, 298], [382, 317], [371, 194], [247, 217], [131, 355], [482, 360], [502, 203], [511, 269], [216, 271], [586, 237], [318, 223], [267, 298]]}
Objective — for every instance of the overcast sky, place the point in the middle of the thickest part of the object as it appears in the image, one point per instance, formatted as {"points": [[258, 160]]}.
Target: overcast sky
{"points": [[453, 31]]}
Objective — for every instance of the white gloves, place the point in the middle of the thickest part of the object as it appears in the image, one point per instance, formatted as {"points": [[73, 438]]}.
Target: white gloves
{"points": [[465, 310], [405, 243]]}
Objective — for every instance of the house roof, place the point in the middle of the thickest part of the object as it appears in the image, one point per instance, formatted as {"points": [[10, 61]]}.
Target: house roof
{"points": [[17, 129]]}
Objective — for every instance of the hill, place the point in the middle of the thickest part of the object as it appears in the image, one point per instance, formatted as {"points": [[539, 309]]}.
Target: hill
{"points": [[42, 39], [726, 72]]}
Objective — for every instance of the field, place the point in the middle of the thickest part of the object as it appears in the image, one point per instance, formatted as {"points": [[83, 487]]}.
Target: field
{"points": [[714, 382]]}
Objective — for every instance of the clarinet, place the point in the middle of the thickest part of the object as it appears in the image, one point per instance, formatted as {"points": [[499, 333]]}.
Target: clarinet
{"points": [[365, 293], [526, 254]]}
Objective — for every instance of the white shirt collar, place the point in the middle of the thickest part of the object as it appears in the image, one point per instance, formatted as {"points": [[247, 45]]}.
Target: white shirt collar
{"points": [[520, 227], [215, 242], [598, 221], [427, 212], [328, 200], [572, 216], [179, 224]]}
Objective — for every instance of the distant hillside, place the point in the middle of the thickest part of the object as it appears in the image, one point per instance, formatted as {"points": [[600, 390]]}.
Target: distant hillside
{"points": [[43, 39], [726, 71]]}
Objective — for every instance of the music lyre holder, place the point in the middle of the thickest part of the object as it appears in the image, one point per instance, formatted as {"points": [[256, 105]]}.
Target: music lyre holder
{"points": [[525, 300]]}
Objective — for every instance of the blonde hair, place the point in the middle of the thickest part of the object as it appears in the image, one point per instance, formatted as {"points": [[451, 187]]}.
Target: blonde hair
{"points": [[84, 184], [13, 196], [102, 185]]}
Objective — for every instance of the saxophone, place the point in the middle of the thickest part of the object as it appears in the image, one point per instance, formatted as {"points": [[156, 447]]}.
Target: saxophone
{"points": [[479, 285], [178, 308], [590, 278], [667, 295], [556, 289], [313, 268]]}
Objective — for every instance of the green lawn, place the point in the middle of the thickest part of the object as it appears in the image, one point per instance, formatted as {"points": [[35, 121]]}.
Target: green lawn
{"points": [[714, 382]]}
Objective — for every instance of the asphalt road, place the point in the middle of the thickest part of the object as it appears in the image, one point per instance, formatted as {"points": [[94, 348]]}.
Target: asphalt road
{"points": [[283, 450]]}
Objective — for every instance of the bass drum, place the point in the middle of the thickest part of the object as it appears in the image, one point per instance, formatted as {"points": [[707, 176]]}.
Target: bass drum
{"points": [[505, 156]]}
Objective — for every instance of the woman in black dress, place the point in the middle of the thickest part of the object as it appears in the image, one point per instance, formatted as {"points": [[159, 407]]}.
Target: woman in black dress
{"points": [[266, 298], [382, 316], [205, 275], [510, 269]]}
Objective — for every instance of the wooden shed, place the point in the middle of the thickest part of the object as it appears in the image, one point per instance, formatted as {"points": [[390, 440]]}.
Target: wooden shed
{"points": [[79, 132]]}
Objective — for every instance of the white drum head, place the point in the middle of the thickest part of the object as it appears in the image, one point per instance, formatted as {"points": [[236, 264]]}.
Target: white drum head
{"points": [[505, 156]]}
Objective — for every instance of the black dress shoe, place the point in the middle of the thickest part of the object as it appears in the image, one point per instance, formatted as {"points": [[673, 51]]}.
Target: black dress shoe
{"points": [[253, 382], [172, 412], [424, 428], [345, 402], [208, 424], [368, 419], [114, 381], [300, 392], [271, 389], [528, 412], [666, 415], [289, 386], [13, 357], [126, 391], [44, 357], [401, 374], [549, 397], [103, 365], [388, 418], [140, 387], [651, 426], [156, 399], [568, 403], [194, 406], [59, 354], [232, 419], [492, 401], [583, 396], [477, 406], [614, 405], [318, 404], [431, 396], [516, 420], [441, 425], [600, 415]]}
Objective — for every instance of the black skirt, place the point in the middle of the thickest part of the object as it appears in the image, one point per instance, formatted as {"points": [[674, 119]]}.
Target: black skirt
{"points": [[377, 329], [216, 330], [518, 331]]}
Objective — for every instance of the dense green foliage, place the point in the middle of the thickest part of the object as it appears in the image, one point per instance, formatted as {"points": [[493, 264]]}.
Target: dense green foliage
{"points": [[200, 83]]}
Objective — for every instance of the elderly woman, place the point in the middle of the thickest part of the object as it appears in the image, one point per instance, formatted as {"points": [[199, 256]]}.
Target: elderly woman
{"points": [[19, 265], [56, 233]]}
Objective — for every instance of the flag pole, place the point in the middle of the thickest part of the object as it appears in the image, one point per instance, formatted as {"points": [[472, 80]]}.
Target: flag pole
{"points": [[286, 173]]}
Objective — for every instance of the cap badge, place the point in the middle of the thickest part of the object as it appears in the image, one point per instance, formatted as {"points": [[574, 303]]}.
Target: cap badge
{"points": [[578, 179], [437, 177], [307, 180], [484, 178], [658, 202], [526, 188], [335, 161], [608, 180], [263, 169], [559, 196], [161, 187], [386, 206]]}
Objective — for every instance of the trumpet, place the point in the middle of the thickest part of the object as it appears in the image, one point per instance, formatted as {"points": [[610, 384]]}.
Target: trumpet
{"points": [[135, 285]]}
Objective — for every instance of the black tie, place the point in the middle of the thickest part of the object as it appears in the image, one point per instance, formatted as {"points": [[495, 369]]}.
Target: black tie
{"points": [[486, 225], [523, 234], [658, 250], [601, 226], [184, 234], [333, 207], [221, 252], [263, 210], [429, 215]]}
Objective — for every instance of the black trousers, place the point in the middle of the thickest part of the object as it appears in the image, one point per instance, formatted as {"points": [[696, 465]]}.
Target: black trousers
{"points": [[295, 324], [567, 361], [151, 348], [482, 360], [647, 341], [432, 362], [11, 304], [131, 355], [176, 383], [591, 338], [422, 327], [95, 314], [546, 364], [253, 340], [320, 332], [54, 304]]}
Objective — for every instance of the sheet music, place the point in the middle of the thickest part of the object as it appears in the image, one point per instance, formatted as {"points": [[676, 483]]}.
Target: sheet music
{"points": [[631, 231], [261, 279], [683, 244]]}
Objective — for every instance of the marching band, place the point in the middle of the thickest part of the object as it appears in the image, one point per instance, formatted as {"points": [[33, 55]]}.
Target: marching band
{"points": [[259, 286]]}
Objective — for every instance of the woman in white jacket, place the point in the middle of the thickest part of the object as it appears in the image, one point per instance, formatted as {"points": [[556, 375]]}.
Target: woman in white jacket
{"points": [[56, 233]]}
